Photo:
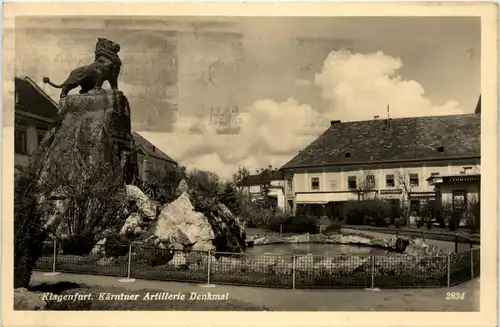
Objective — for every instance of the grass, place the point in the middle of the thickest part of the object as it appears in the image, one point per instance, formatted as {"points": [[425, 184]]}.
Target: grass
{"points": [[64, 288]]}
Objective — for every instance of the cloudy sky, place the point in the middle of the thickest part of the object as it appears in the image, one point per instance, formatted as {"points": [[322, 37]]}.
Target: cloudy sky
{"points": [[294, 75]]}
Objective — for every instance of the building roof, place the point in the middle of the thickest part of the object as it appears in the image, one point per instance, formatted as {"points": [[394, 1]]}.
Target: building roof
{"points": [[394, 140], [34, 100], [150, 149], [265, 176]]}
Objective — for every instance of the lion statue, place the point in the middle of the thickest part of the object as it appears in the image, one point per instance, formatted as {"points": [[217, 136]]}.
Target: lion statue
{"points": [[106, 67]]}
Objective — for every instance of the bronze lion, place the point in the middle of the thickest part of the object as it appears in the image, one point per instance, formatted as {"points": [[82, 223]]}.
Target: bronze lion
{"points": [[106, 67]]}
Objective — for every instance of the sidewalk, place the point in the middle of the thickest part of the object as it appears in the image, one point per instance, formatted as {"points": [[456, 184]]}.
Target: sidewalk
{"points": [[303, 300]]}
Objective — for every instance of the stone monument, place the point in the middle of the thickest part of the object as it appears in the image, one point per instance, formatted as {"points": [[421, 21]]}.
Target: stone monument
{"points": [[88, 150]]}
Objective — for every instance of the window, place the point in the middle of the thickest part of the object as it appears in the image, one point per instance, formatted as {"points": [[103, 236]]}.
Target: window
{"points": [[351, 182], [389, 180], [440, 149], [370, 181], [413, 180], [16, 94], [20, 141], [458, 201], [315, 183], [434, 174], [347, 155], [289, 185]]}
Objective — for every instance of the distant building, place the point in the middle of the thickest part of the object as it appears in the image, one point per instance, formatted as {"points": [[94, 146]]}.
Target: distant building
{"points": [[386, 158], [152, 163], [35, 114], [254, 185]]}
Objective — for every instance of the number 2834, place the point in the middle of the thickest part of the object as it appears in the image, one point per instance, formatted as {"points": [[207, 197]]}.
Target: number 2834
{"points": [[455, 295]]}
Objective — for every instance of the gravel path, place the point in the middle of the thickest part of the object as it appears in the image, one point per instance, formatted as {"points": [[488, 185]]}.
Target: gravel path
{"points": [[304, 300]]}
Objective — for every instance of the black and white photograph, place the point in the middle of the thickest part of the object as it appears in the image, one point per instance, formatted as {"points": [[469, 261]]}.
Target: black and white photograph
{"points": [[237, 162]]}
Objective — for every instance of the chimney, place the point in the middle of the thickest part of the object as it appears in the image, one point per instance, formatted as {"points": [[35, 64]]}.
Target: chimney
{"points": [[333, 122]]}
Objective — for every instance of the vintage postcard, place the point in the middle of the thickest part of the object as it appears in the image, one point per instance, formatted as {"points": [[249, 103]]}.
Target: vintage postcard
{"points": [[228, 164]]}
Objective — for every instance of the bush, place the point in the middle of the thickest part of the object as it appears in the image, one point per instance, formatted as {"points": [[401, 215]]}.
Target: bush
{"points": [[295, 224], [28, 232], [454, 220], [78, 246], [368, 212], [116, 246]]}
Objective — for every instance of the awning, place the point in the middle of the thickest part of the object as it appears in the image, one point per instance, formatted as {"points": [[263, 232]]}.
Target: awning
{"points": [[323, 198]]}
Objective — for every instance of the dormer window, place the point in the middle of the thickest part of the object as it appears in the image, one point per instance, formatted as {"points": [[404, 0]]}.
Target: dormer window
{"points": [[347, 155], [440, 149]]}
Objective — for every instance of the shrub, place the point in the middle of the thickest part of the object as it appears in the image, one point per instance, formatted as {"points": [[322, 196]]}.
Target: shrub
{"points": [[373, 212], [476, 214], [28, 232], [295, 224], [80, 245], [116, 246], [153, 256], [454, 220]]}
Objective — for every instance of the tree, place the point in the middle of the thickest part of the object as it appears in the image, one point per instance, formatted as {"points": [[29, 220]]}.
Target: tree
{"points": [[28, 226], [229, 198], [205, 182], [365, 183], [403, 183], [169, 183], [239, 176]]}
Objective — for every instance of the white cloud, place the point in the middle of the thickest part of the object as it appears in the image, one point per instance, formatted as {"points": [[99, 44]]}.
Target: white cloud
{"points": [[357, 87], [271, 133], [360, 86], [303, 82]]}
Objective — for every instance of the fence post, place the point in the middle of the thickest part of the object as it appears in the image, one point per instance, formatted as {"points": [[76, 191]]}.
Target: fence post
{"points": [[53, 272], [208, 267], [471, 263], [128, 279], [372, 260], [281, 230], [448, 271], [293, 271], [456, 243]]}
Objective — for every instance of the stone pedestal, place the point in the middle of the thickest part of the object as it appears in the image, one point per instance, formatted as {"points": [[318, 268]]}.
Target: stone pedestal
{"points": [[85, 151]]}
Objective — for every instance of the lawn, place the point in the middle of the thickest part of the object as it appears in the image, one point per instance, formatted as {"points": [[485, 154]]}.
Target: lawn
{"points": [[64, 288]]}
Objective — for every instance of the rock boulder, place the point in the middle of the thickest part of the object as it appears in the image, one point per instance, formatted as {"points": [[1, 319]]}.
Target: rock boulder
{"points": [[26, 300]]}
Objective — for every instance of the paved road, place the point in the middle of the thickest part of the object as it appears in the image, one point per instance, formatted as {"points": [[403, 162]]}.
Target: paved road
{"points": [[305, 300]]}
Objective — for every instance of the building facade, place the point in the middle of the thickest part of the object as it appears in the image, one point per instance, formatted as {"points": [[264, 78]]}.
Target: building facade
{"points": [[385, 158], [152, 163], [35, 113], [254, 185]]}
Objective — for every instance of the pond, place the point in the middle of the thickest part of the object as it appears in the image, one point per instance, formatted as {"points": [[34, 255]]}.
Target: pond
{"points": [[315, 249]]}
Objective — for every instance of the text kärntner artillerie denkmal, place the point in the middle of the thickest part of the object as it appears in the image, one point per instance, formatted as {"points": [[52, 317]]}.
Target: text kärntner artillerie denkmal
{"points": [[148, 296]]}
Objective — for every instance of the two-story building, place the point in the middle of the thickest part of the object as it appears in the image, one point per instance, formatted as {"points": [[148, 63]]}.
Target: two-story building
{"points": [[35, 114], [152, 163], [272, 179], [386, 158]]}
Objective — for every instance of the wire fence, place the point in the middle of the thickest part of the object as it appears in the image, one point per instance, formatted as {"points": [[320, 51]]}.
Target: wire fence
{"points": [[269, 270]]}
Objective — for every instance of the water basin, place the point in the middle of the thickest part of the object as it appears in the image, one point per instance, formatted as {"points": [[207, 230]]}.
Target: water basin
{"points": [[315, 249]]}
